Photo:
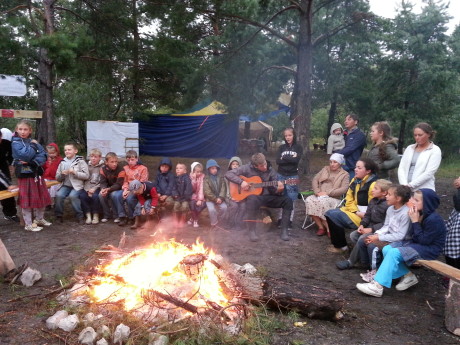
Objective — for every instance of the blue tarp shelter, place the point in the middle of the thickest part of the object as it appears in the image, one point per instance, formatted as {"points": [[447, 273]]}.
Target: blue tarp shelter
{"points": [[206, 132]]}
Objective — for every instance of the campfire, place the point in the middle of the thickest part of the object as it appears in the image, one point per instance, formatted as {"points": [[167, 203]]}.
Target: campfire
{"points": [[165, 282]]}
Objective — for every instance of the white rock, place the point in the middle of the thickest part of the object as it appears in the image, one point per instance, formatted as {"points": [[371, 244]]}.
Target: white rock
{"points": [[88, 318], [236, 267], [30, 276], [158, 339], [104, 331], [121, 334], [69, 323], [248, 268], [102, 342], [52, 321], [87, 336]]}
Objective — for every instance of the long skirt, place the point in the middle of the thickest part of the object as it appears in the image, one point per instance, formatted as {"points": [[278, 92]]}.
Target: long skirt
{"points": [[318, 206], [33, 193]]}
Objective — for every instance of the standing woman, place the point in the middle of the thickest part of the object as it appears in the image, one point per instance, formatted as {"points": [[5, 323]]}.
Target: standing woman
{"points": [[421, 160], [383, 151], [288, 158]]}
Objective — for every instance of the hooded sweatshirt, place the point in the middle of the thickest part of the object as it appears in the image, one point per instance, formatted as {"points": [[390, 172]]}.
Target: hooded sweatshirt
{"points": [[335, 142], [288, 158], [391, 159], [165, 181], [94, 180], [197, 183], [50, 167], [214, 186]]}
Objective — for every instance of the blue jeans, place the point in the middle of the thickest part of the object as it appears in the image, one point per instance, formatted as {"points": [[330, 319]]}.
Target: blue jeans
{"points": [[64, 192], [290, 190], [90, 204], [213, 212], [107, 204], [392, 267], [147, 208], [118, 203]]}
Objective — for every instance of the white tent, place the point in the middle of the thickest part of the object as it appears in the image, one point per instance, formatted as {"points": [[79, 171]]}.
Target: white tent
{"points": [[257, 130], [112, 136]]}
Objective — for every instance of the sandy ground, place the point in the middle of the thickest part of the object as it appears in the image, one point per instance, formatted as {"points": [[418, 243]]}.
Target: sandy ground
{"points": [[415, 316]]}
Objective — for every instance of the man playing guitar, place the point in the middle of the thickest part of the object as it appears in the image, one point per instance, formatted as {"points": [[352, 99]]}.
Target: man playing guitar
{"points": [[259, 170]]}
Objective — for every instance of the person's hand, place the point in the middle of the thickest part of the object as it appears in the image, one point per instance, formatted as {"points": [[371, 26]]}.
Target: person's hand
{"points": [[90, 194], [104, 191], [199, 203], [280, 187], [366, 230], [12, 187], [152, 211], [360, 214], [143, 211], [321, 194], [71, 171], [371, 239], [125, 194], [219, 201], [245, 185], [33, 141], [163, 197], [414, 215]]}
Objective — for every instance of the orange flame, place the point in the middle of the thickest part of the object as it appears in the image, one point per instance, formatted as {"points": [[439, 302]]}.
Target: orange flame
{"points": [[157, 267]]}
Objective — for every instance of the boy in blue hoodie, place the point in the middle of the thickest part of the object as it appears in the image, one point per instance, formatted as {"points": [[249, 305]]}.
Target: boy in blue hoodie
{"points": [[215, 190], [165, 184]]}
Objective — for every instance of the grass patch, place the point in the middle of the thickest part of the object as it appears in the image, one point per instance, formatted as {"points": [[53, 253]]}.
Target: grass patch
{"points": [[450, 167]]}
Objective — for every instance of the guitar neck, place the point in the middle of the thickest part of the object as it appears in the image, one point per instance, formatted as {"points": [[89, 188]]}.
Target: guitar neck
{"points": [[266, 184]]}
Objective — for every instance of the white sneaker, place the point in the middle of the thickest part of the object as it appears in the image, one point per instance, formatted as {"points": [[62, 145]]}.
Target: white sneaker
{"points": [[372, 289], [195, 224], [116, 220], [33, 227], [42, 222], [190, 222], [368, 276], [104, 220], [407, 281]]}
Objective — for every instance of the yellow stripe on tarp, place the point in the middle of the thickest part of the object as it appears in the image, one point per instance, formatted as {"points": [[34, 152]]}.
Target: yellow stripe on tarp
{"points": [[212, 109]]}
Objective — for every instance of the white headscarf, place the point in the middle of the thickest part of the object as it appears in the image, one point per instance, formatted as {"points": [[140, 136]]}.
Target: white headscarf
{"points": [[339, 158]]}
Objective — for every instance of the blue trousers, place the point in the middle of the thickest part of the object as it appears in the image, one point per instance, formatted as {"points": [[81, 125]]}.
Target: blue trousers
{"points": [[290, 190], [392, 267], [64, 192], [90, 204], [216, 210], [119, 203]]}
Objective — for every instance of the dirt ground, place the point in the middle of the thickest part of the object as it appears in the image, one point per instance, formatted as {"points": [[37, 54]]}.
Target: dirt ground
{"points": [[415, 316]]}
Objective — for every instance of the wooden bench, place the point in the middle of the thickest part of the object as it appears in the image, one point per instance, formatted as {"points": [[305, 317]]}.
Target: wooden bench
{"points": [[452, 310]]}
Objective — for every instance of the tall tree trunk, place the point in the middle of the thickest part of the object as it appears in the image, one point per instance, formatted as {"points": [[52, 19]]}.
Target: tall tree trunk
{"points": [[46, 132], [135, 69], [332, 114], [301, 112]]}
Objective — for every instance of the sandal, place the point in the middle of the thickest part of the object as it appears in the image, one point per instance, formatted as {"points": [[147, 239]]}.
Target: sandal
{"points": [[321, 232]]}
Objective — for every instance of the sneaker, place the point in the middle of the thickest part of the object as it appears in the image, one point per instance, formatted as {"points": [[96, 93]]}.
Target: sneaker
{"points": [[368, 276], [33, 227], [372, 289], [407, 281], [42, 222], [290, 225], [195, 224], [343, 265], [12, 218], [116, 220], [104, 220], [191, 222]]}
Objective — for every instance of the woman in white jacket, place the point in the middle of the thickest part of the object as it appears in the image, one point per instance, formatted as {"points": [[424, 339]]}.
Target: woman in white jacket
{"points": [[421, 160]]}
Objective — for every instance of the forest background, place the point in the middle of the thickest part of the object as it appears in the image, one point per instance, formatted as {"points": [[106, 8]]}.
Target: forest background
{"points": [[114, 59]]}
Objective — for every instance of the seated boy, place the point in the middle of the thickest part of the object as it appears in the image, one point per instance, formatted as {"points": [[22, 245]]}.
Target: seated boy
{"points": [[89, 195], [112, 178], [165, 183], [215, 190], [147, 197], [72, 172], [182, 194], [133, 171]]}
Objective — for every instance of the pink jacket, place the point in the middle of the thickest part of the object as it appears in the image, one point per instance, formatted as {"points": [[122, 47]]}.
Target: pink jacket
{"points": [[197, 185]]}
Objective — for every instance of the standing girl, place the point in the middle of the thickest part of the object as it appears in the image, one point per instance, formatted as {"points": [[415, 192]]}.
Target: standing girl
{"points": [[198, 202], [288, 158], [28, 158], [383, 151]]}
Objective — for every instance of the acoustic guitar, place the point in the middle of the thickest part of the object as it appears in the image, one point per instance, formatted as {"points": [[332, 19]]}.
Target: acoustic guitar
{"points": [[256, 187]]}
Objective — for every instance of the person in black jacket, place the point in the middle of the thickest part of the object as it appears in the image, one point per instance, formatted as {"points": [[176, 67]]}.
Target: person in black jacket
{"points": [[288, 158], [6, 158], [182, 194]]}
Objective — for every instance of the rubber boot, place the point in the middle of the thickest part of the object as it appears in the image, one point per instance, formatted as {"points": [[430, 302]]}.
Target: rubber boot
{"points": [[253, 234], [182, 220], [176, 219], [88, 218], [95, 218], [285, 234], [137, 222]]}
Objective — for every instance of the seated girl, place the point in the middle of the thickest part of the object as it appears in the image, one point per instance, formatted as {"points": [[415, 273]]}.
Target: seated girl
{"points": [[329, 185], [358, 196], [428, 233]]}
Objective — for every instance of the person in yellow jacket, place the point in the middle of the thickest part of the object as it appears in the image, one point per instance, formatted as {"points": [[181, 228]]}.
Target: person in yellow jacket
{"points": [[356, 201]]}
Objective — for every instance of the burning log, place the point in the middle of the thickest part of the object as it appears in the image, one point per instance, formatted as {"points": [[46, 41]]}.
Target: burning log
{"points": [[168, 298], [308, 300]]}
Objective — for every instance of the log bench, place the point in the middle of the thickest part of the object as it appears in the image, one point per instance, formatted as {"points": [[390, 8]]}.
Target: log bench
{"points": [[452, 309]]}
